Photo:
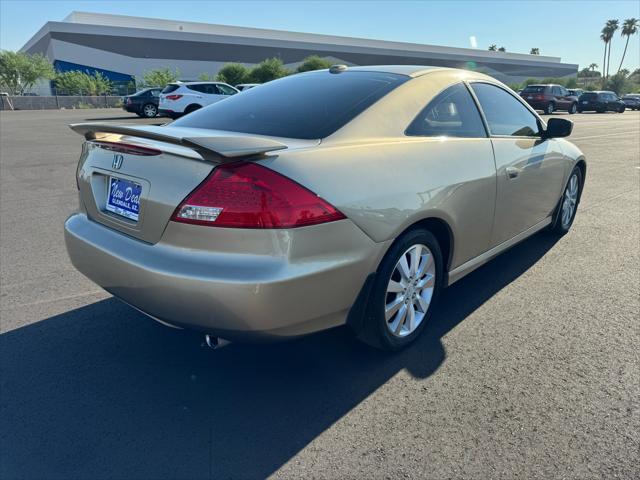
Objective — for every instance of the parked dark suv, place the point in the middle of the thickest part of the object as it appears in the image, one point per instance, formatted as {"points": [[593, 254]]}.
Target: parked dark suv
{"points": [[632, 101], [600, 102], [550, 98], [143, 103]]}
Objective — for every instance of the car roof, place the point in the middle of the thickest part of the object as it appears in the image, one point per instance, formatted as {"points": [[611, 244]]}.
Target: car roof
{"points": [[197, 83]]}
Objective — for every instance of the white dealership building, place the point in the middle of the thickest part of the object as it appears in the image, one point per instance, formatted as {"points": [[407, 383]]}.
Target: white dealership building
{"points": [[123, 48]]}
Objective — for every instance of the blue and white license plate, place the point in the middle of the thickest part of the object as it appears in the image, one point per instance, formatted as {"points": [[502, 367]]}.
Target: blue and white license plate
{"points": [[124, 198]]}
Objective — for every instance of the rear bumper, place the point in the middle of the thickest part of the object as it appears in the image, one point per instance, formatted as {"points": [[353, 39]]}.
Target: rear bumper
{"points": [[591, 107], [294, 282], [538, 105]]}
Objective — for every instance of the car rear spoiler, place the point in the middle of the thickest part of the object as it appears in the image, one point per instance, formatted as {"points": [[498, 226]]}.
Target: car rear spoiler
{"points": [[216, 149]]}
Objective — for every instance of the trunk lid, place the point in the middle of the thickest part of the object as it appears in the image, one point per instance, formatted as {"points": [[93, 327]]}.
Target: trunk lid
{"points": [[132, 178]]}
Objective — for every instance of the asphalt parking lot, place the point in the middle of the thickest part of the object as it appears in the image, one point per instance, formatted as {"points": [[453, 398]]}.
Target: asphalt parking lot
{"points": [[531, 368]]}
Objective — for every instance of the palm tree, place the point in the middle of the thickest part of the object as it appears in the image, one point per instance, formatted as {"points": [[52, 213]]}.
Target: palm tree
{"points": [[493, 47], [604, 36], [612, 27], [593, 67], [629, 27], [534, 51]]}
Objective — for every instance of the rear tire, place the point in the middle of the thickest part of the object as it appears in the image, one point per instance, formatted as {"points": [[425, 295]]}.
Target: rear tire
{"points": [[149, 110], [549, 109], [568, 204], [404, 292], [192, 108], [621, 110]]}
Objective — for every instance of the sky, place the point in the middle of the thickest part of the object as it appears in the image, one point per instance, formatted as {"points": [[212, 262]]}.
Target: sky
{"points": [[566, 29]]}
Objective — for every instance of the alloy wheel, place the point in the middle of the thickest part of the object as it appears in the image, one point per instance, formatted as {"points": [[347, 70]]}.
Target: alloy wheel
{"points": [[410, 290], [569, 201], [150, 111]]}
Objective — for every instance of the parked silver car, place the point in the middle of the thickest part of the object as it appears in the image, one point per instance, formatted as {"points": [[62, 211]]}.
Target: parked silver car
{"points": [[349, 195]]}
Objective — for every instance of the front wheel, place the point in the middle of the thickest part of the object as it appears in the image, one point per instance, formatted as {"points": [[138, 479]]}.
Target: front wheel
{"points": [[568, 205], [404, 291], [621, 110], [573, 108]]}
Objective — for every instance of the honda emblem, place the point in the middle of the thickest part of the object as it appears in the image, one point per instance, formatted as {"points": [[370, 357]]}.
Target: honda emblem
{"points": [[117, 161]]}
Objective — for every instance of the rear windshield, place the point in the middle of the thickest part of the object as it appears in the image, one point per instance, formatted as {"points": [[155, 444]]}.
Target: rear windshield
{"points": [[170, 88], [533, 89], [308, 106], [589, 96]]}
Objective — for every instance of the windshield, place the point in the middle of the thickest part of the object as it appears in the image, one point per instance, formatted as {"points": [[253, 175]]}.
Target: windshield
{"points": [[306, 106]]}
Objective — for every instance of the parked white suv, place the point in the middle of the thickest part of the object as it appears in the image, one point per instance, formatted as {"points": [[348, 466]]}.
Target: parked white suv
{"points": [[180, 98]]}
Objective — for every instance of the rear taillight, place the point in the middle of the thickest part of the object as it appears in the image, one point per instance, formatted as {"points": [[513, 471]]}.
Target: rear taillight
{"points": [[173, 97], [126, 148], [539, 97], [247, 195]]}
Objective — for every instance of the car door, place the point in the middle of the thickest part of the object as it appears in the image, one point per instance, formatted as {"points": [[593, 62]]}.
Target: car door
{"points": [[529, 169], [564, 98]]}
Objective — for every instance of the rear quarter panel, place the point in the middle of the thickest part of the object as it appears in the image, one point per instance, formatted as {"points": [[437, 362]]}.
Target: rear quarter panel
{"points": [[385, 187]]}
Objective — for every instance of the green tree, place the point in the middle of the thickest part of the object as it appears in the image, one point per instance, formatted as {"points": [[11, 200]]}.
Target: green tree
{"points": [[267, 70], [629, 27], [619, 84], [233, 74], [493, 47], [314, 62], [20, 71], [571, 83], [206, 77], [611, 26], [81, 83], [502, 49], [534, 51], [605, 35], [159, 77]]}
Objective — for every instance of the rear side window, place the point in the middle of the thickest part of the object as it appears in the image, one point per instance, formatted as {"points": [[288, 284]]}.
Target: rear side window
{"points": [[307, 105], [504, 113], [532, 89], [226, 90], [170, 88], [451, 113]]}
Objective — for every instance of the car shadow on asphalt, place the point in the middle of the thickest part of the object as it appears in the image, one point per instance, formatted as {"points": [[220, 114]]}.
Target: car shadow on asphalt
{"points": [[104, 392]]}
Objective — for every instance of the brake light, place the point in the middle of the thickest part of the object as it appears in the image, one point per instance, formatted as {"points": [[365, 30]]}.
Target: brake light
{"points": [[247, 195], [126, 148], [539, 97], [173, 97]]}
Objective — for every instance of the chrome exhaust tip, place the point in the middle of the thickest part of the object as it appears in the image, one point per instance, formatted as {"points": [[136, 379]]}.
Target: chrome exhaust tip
{"points": [[215, 342]]}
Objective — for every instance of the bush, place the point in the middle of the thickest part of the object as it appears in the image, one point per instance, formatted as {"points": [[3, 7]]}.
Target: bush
{"points": [[314, 62], [267, 70], [233, 74], [620, 84], [80, 83], [159, 77]]}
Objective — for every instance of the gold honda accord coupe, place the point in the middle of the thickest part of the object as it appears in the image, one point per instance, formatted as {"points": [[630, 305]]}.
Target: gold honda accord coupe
{"points": [[351, 195]]}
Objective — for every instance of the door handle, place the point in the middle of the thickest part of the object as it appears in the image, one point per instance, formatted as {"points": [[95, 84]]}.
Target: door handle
{"points": [[513, 172]]}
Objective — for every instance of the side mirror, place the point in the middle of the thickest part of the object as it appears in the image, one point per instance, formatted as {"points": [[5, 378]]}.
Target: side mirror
{"points": [[558, 127]]}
